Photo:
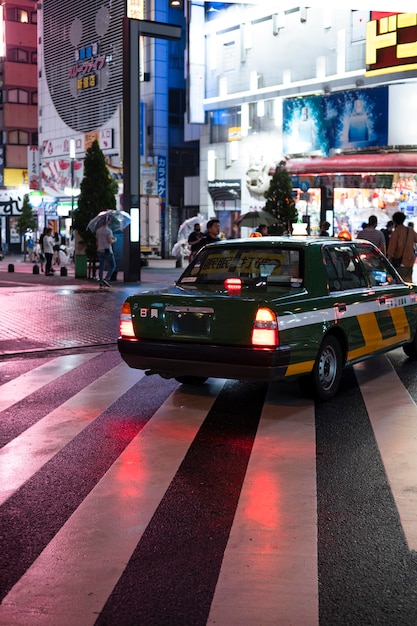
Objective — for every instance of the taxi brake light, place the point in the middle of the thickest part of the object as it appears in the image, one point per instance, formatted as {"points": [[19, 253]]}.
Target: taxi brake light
{"points": [[265, 328], [233, 284], [126, 324]]}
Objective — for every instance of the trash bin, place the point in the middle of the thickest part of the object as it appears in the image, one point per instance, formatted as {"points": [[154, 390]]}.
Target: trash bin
{"points": [[10, 267], [35, 269], [80, 266]]}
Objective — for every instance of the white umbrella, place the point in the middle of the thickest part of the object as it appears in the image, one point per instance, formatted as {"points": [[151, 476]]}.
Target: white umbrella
{"points": [[181, 247], [113, 218], [187, 227]]}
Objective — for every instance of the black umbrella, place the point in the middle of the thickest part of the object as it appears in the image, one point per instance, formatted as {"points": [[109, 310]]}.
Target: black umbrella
{"points": [[252, 219]]}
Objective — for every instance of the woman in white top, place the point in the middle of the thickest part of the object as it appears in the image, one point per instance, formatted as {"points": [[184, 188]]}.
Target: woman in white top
{"points": [[48, 249]]}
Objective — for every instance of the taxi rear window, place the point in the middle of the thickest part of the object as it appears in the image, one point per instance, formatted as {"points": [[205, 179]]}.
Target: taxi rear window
{"points": [[269, 266]]}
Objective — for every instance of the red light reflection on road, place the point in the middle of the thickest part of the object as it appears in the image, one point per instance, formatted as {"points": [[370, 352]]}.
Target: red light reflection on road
{"points": [[263, 501]]}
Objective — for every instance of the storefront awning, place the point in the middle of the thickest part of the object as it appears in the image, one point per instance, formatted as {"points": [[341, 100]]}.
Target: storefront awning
{"points": [[355, 163]]}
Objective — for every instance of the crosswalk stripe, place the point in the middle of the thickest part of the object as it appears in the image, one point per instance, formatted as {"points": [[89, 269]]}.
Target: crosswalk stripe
{"points": [[103, 532], [269, 570], [27, 453], [393, 416], [22, 386]]}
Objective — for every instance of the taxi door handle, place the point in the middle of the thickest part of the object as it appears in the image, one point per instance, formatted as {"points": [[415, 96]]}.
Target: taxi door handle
{"points": [[341, 307]]}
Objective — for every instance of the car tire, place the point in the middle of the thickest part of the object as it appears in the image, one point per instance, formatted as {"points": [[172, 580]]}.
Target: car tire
{"points": [[324, 380], [191, 380], [410, 349]]}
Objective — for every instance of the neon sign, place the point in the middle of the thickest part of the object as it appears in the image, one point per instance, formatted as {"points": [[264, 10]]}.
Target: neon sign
{"points": [[391, 44], [87, 66]]}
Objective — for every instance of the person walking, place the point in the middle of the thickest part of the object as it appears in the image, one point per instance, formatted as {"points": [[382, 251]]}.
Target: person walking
{"points": [[387, 231], [212, 234], [401, 247], [57, 241], [324, 229], [263, 230], [48, 250], [193, 241], [104, 239], [370, 233]]}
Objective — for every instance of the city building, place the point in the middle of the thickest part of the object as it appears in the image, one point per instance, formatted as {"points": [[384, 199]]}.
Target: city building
{"points": [[18, 111], [329, 90], [80, 53]]}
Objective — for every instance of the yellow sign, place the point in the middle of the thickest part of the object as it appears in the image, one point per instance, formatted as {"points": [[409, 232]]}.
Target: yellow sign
{"points": [[391, 44], [255, 263], [136, 9]]}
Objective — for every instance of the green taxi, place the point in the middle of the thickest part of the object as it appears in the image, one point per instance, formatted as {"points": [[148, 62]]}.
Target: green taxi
{"points": [[272, 308]]}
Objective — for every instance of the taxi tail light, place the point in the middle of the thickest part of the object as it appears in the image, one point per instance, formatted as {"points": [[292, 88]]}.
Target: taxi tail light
{"points": [[233, 285], [126, 325], [265, 329]]}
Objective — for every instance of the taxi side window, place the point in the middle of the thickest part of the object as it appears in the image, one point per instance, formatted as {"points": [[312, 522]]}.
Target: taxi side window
{"points": [[343, 268], [377, 270]]}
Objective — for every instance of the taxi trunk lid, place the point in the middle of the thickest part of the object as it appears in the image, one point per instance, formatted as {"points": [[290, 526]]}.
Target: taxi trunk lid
{"points": [[175, 315]]}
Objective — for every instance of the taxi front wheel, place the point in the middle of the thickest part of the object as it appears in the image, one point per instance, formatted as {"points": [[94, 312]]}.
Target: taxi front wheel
{"points": [[324, 380]]}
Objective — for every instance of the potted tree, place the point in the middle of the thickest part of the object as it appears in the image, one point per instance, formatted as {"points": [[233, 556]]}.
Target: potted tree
{"points": [[97, 193], [280, 201]]}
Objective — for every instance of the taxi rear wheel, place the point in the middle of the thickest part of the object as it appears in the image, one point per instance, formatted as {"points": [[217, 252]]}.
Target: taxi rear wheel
{"points": [[191, 380], [327, 372], [324, 380], [410, 349]]}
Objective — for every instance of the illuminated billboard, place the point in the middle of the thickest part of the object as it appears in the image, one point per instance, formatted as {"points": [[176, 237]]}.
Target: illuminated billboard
{"points": [[344, 120], [391, 43]]}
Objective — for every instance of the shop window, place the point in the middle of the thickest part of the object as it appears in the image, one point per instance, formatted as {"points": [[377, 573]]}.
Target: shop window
{"points": [[20, 96], [19, 137], [34, 17], [34, 97], [34, 58]]}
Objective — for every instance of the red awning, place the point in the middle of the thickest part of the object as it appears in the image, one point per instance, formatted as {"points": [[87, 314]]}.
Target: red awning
{"points": [[355, 163]]}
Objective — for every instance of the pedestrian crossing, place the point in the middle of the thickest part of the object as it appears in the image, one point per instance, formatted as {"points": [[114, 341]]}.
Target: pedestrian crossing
{"points": [[176, 505]]}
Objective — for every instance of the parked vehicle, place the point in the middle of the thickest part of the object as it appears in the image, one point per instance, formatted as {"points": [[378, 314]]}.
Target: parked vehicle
{"points": [[270, 309]]}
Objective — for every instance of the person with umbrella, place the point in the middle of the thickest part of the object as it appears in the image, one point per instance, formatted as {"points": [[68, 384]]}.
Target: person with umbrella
{"points": [[104, 239], [263, 230], [193, 241]]}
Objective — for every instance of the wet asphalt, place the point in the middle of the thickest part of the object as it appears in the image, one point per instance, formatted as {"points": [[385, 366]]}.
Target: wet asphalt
{"points": [[41, 313]]}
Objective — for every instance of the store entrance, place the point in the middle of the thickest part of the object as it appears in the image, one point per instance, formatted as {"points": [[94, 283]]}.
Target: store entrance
{"points": [[347, 201]]}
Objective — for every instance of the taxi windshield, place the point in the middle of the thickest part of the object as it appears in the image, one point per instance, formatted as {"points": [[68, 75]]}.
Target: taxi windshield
{"points": [[254, 266]]}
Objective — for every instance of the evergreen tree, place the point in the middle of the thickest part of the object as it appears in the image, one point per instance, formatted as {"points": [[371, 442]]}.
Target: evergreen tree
{"points": [[26, 220], [280, 202], [97, 193]]}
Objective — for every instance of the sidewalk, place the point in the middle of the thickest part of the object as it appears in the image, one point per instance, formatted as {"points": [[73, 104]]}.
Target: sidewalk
{"points": [[41, 313], [159, 270]]}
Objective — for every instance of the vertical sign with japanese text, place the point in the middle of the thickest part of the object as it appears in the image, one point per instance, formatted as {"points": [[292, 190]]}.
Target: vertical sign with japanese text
{"points": [[162, 192]]}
